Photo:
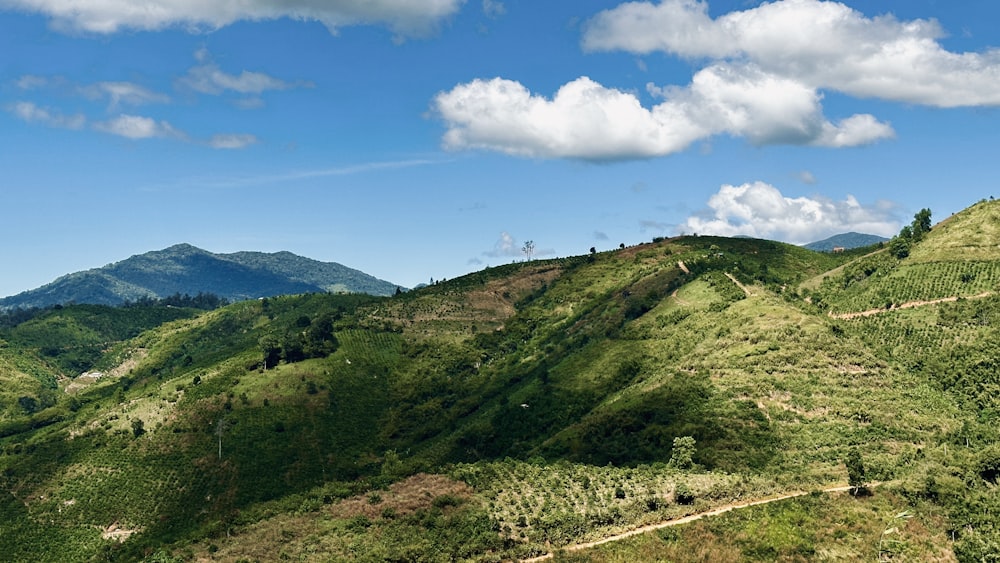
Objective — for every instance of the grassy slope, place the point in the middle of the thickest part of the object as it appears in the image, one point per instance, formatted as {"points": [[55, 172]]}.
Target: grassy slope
{"points": [[580, 362], [960, 257]]}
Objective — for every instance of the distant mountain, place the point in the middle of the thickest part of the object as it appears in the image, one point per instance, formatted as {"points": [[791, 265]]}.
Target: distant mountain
{"points": [[846, 241], [186, 269]]}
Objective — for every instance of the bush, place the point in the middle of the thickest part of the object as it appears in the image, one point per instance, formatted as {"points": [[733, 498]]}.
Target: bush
{"points": [[683, 494]]}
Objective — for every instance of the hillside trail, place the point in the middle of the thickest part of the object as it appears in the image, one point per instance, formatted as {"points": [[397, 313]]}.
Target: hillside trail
{"points": [[907, 305], [738, 284], [688, 519], [683, 267], [678, 299]]}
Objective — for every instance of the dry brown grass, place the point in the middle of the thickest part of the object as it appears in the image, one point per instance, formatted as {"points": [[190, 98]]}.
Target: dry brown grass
{"points": [[404, 497]]}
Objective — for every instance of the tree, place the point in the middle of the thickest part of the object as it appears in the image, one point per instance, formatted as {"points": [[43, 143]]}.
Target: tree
{"points": [[682, 455], [271, 349], [855, 472], [220, 428], [138, 427], [28, 403], [528, 249], [319, 338], [900, 246], [921, 223]]}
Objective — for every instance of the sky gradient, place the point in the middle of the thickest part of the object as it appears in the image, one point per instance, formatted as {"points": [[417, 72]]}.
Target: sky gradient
{"points": [[427, 139]]}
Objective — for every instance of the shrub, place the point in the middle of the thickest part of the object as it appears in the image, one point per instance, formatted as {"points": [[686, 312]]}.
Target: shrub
{"points": [[683, 494]]}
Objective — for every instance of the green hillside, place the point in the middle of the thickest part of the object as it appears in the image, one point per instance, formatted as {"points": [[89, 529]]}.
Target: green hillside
{"points": [[845, 241], [959, 257], [186, 270], [524, 408]]}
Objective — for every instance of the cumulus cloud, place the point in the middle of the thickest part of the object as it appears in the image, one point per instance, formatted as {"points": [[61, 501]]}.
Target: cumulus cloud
{"points": [[760, 210], [506, 246], [405, 17], [761, 76], [138, 127], [31, 113], [586, 120], [821, 44], [583, 120]]}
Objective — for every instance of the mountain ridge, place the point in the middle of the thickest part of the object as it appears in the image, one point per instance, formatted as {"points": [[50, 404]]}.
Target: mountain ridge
{"points": [[187, 269], [846, 241]]}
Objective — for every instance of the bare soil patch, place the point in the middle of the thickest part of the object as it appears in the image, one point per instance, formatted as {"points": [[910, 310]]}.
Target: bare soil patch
{"points": [[405, 497]]}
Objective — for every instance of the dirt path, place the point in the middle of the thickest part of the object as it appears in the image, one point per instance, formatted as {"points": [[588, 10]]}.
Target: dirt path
{"points": [[907, 305], [738, 284], [684, 520], [679, 300], [680, 264]]}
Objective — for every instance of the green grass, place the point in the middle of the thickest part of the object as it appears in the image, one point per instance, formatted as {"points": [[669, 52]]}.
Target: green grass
{"points": [[813, 527], [548, 386]]}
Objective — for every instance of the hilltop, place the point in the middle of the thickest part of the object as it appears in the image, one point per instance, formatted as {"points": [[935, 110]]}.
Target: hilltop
{"points": [[510, 412], [185, 269], [845, 241]]}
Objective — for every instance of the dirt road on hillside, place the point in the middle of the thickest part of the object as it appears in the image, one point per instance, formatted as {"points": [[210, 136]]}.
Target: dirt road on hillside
{"points": [[907, 305], [739, 285], [684, 520]]}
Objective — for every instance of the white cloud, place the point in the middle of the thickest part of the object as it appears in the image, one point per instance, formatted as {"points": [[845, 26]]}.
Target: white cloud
{"points": [[681, 26], [853, 131], [760, 210], [232, 141], [133, 127], [589, 121], [127, 93], [583, 120], [505, 246], [31, 113], [117, 93], [762, 73], [823, 45], [208, 78], [138, 127], [807, 177], [405, 17], [31, 82], [494, 8]]}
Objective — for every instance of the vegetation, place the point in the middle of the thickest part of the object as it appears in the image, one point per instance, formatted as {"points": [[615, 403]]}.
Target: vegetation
{"points": [[525, 409], [184, 269]]}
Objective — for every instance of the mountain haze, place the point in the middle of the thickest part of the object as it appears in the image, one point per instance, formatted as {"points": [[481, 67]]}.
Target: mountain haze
{"points": [[525, 408], [185, 269]]}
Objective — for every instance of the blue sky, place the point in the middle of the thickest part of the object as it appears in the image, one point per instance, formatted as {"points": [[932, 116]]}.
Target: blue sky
{"points": [[427, 139]]}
